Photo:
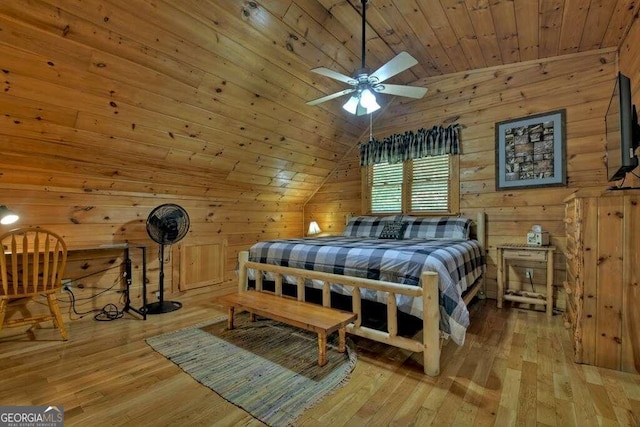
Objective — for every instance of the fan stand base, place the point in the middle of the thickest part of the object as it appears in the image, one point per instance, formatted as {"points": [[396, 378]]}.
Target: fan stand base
{"points": [[162, 307]]}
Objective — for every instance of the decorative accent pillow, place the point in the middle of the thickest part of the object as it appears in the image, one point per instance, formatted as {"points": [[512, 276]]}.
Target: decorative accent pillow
{"points": [[393, 230], [366, 226]]}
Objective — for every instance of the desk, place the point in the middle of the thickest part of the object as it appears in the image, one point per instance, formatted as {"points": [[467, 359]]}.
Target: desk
{"points": [[128, 280], [128, 277], [526, 253]]}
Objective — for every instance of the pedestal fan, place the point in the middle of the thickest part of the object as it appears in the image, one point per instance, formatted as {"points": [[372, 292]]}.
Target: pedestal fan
{"points": [[166, 225]]}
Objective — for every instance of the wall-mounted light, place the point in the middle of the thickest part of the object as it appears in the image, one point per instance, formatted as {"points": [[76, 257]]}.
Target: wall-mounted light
{"points": [[7, 216], [314, 229]]}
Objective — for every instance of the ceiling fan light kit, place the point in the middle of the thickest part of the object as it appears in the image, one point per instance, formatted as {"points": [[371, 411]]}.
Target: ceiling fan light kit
{"points": [[352, 104], [365, 85], [363, 103]]}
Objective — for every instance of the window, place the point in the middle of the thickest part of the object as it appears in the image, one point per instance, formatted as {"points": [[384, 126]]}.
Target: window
{"points": [[386, 187], [420, 186]]}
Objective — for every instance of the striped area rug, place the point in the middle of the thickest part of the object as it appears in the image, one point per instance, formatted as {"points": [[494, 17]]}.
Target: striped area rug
{"points": [[266, 368]]}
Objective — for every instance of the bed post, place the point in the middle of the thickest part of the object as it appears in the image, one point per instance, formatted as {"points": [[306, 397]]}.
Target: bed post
{"points": [[243, 283], [430, 323], [481, 236]]}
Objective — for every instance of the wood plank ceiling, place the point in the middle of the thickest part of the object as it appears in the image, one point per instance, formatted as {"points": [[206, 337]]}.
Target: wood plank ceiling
{"points": [[205, 97]]}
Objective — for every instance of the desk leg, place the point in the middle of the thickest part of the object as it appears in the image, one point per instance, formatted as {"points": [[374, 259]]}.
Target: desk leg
{"points": [[500, 277], [549, 283], [129, 280], [144, 282]]}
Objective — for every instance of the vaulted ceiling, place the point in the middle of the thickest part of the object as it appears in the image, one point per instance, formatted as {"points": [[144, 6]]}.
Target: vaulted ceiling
{"points": [[205, 97]]}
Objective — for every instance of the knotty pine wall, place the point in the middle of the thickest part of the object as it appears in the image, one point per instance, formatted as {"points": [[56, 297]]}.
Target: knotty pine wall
{"points": [[580, 83], [100, 125], [104, 118], [630, 66], [101, 217]]}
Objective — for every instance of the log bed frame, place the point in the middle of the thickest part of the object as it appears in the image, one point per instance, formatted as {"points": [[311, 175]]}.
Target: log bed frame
{"points": [[432, 338]]}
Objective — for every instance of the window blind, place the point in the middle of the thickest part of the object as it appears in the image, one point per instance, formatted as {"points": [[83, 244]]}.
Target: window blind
{"points": [[424, 183], [429, 183], [386, 187]]}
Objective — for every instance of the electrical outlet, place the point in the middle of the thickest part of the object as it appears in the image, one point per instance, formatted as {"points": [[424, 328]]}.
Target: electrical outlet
{"points": [[528, 273], [66, 285], [158, 294]]}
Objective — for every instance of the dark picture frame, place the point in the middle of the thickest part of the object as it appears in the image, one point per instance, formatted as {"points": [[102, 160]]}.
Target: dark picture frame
{"points": [[531, 151]]}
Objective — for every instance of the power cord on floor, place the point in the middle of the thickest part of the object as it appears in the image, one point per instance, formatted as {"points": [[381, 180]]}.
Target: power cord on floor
{"points": [[108, 313], [105, 314]]}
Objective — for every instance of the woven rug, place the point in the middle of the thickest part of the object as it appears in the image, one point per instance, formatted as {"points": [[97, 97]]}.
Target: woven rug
{"points": [[266, 368]]}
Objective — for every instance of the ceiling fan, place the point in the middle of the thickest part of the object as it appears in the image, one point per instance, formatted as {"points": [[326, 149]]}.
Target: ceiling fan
{"points": [[363, 101]]}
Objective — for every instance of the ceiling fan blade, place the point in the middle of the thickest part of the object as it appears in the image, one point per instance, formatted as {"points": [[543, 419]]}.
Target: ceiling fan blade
{"points": [[400, 90], [335, 75], [398, 64], [332, 96]]}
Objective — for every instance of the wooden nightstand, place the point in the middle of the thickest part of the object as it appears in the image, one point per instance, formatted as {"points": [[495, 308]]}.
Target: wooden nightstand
{"points": [[526, 253]]}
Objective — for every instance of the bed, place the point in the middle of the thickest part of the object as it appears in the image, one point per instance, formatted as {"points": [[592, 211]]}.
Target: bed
{"points": [[429, 268]]}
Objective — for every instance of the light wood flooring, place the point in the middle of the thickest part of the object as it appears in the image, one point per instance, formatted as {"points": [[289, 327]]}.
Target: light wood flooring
{"points": [[514, 369]]}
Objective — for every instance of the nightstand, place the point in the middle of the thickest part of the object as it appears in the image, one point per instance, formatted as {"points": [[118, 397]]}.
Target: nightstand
{"points": [[525, 253]]}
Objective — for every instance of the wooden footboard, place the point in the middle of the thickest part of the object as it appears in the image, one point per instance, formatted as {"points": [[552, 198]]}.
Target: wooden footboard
{"points": [[430, 345]]}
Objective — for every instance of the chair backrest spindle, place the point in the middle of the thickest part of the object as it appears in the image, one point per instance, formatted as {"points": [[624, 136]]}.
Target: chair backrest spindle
{"points": [[33, 261], [32, 264]]}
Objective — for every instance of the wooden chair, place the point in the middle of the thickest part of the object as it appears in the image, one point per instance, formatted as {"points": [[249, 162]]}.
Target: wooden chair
{"points": [[33, 264]]}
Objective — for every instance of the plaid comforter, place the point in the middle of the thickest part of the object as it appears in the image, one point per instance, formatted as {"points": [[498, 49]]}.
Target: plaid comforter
{"points": [[457, 262]]}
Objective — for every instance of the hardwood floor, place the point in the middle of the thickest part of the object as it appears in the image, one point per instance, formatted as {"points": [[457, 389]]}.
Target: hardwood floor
{"points": [[514, 369]]}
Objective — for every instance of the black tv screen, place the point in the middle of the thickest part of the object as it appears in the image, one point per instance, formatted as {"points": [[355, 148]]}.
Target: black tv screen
{"points": [[622, 133]]}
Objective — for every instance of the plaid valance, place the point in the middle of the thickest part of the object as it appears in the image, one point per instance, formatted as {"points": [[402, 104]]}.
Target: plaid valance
{"points": [[401, 147]]}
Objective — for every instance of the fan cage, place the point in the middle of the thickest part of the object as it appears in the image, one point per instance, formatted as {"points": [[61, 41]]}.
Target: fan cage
{"points": [[168, 224]]}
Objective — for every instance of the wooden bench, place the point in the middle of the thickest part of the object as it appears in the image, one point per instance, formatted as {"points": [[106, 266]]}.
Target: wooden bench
{"points": [[308, 316]]}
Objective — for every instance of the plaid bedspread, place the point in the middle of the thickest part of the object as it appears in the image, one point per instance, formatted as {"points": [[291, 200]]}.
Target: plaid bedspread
{"points": [[457, 262]]}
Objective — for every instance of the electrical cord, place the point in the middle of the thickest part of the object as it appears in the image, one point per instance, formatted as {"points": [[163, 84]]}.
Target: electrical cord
{"points": [[96, 272], [107, 313], [620, 185], [104, 290]]}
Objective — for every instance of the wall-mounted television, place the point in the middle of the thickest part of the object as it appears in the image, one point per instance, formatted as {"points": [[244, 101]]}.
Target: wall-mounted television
{"points": [[622, 131]]}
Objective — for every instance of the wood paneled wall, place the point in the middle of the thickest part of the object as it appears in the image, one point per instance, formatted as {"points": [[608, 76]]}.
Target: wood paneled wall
{"points": [[91, 219], [108, 113], [630, 66], [581, 84]]}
